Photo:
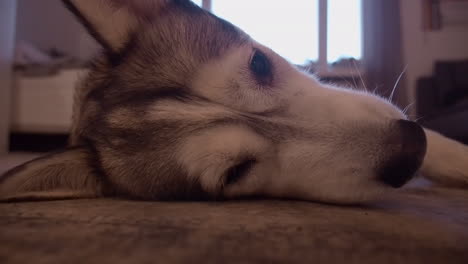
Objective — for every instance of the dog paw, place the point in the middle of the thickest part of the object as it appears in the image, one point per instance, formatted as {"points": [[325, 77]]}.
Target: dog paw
{"points": [[446, 161]]}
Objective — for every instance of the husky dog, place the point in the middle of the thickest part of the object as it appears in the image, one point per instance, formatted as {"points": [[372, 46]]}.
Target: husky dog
{"points": [[184, 105]]}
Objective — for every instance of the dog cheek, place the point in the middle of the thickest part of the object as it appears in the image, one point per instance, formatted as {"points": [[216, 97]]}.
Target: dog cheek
{"points": [[259, 180], [208, 154], [312, 172]]}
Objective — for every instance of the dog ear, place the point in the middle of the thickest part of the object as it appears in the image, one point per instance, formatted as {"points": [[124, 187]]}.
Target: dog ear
{"points": [[111, 22], [64, 175]]}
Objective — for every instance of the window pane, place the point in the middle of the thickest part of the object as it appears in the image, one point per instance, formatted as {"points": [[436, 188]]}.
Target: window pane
{"points": [[198, 2], [288, 27], [344, 29]]}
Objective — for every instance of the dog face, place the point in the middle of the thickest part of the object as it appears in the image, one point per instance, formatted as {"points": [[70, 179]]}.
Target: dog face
{"points": [[184, 105]]}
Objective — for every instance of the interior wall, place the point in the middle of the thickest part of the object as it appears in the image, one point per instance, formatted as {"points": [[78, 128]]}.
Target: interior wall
{"points": [[422, 48], [7, 35], [48, 24]]}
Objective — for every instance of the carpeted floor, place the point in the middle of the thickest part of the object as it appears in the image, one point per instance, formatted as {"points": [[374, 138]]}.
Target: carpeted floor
{"points": [[419, 224]]}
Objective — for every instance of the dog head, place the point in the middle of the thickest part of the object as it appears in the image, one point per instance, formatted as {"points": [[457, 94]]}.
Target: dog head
{"points": [[184, 105]]}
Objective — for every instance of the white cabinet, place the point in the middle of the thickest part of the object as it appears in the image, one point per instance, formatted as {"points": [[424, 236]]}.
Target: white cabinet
{"points": [[44, 104]]}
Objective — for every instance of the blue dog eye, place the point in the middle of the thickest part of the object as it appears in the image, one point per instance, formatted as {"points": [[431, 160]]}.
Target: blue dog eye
{"points": [[261, 68]]}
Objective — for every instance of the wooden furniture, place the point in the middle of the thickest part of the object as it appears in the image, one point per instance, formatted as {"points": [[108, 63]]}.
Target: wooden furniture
{"points": [[443, 99]]}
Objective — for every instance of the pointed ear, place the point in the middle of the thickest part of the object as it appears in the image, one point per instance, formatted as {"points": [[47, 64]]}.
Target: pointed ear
{"points": [[64, 175], [112, 22]]}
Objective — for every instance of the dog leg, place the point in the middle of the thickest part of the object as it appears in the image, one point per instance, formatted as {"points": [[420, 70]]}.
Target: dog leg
{"points": [[446, 161]]}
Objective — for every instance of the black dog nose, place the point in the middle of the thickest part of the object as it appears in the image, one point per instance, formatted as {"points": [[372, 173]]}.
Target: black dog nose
{"points": [[406, 147]]}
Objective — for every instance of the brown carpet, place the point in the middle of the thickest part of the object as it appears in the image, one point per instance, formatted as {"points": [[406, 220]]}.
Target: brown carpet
{"points": [[417, 225]]}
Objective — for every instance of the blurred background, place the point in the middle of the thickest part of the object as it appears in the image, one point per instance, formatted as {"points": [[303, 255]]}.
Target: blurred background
{"points": [[417, 47]]}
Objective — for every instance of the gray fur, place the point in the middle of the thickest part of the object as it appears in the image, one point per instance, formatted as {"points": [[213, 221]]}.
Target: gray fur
{"points": [[125, 143], [66, 174]]}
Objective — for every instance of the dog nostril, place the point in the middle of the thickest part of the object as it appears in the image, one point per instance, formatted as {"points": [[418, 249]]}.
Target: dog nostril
{"points": [[407, 144]]}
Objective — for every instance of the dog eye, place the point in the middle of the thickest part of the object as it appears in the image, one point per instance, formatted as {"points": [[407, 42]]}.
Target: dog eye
{"points": [[237, 172], [261, 68]]}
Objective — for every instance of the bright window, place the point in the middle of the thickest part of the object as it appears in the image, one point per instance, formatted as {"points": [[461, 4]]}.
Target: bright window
{"points": [[344, 29], [276, 24], [293, 28], [198, 2]]}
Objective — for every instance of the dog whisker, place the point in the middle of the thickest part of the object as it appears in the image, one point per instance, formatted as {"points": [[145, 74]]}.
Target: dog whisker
{"points": [[348, 83], [360, 76], [419, 118], [408, 107], [397, 82], [377, 87]]}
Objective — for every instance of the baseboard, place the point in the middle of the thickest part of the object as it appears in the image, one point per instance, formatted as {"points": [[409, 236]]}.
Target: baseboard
{"points": [[33, 142]]}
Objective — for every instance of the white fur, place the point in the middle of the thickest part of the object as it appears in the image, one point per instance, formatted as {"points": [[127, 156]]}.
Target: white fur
{"points": [[335, 140], [333, 168], [446, 161], [209, 154], [214, 78], [313, 141]]}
